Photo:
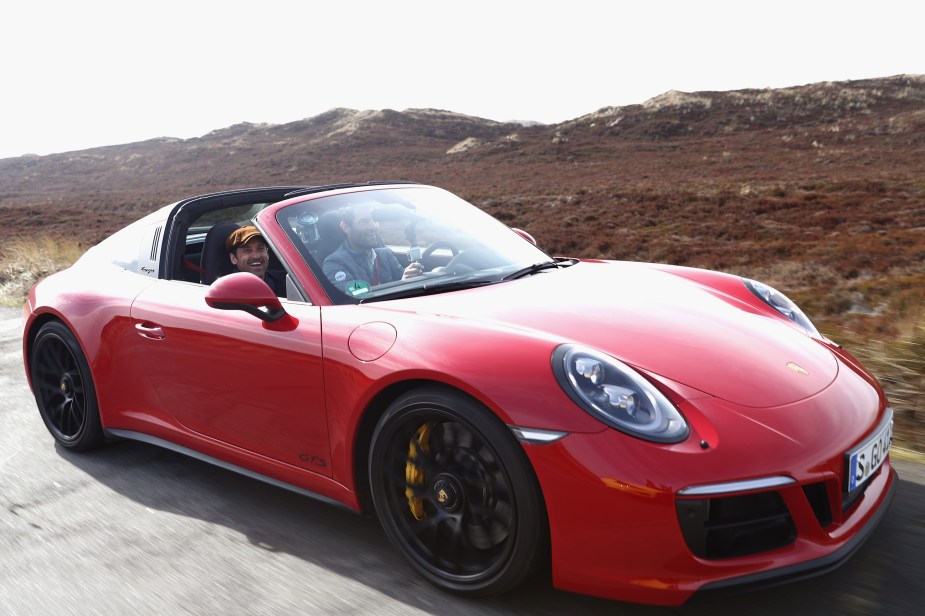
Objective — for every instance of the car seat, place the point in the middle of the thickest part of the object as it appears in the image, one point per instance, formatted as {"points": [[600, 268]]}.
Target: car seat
{"points": [[330, 237], [215, 261]]}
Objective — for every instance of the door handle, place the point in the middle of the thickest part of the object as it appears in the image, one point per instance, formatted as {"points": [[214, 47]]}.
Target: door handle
{"points": [[150, 330]]}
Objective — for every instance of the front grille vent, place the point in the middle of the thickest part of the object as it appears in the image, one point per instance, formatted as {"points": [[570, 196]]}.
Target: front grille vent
{"points": [[727, 527], [818, 498]]}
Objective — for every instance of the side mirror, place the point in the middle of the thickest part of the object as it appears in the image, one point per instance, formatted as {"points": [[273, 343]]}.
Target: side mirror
{"points": [[244, 291], [524, 235]]}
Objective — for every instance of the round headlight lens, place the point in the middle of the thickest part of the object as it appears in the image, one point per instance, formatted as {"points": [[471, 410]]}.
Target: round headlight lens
{"points": [[781, 303], [617, 395]]}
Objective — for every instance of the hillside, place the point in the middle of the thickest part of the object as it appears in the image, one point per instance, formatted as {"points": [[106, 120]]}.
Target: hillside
{"points": [[818, 189]]}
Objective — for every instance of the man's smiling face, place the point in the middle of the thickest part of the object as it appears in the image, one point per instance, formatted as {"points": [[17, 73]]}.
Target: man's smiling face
{"points": [[252, 257]]}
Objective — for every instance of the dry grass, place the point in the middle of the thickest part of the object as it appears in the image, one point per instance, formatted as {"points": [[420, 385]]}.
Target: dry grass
{"points": [[899, 364], [26, 260]]}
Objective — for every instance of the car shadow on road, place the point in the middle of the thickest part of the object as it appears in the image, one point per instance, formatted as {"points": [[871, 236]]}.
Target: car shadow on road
{"points": [[883, 577]]}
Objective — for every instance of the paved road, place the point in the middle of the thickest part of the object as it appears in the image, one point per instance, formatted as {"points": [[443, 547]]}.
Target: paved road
{"points": [[133, 529]]}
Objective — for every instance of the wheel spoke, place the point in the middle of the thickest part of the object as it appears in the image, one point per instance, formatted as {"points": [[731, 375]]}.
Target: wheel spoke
{"points": [[456, 549], [76, 416], [455, 437], [57, 359], [428, 529], [58, 405], [48, 382], [66, 424], [78, 397], [488, 526]]}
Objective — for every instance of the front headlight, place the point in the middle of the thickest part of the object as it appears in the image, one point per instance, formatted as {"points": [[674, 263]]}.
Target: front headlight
{"points": [[617, 395], [781, 303]]}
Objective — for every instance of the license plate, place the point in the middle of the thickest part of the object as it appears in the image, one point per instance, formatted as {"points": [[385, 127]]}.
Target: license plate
{"points": [[864, 460]]}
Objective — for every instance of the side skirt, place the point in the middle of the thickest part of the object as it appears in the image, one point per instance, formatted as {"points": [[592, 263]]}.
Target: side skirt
{"points": [[159, 442]]}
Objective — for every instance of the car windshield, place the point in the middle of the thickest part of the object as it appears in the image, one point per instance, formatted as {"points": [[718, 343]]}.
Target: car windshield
{"points": [[360, 244]]}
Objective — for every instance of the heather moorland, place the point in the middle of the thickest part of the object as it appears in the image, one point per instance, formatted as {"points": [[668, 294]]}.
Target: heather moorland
{"points": [[818, 190]]}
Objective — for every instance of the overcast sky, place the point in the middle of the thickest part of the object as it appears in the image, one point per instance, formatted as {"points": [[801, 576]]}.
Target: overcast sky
{"points": [[80, 74]]}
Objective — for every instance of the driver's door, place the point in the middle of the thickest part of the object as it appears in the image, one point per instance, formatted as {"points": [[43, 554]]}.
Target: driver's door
{"points": [[222, 374]]}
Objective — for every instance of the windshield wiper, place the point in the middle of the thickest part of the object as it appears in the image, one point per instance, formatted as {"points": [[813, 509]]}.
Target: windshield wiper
{"points": [[428, 289], [539, 267]]}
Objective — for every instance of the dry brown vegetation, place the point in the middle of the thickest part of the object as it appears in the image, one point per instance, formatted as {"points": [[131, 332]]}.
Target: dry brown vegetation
{"points": [[26, 260], [818, 190]]}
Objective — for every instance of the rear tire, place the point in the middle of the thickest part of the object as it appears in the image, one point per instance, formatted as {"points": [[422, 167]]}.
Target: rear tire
{"points": [[456, 494], [64, 390]]}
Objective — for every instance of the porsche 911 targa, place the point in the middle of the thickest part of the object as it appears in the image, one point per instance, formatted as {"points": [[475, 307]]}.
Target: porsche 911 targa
{"points": [[643, 432]]}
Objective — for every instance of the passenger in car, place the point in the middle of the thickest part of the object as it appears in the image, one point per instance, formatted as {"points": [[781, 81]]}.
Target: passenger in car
{"points": [[361, 259], [249, 253]]}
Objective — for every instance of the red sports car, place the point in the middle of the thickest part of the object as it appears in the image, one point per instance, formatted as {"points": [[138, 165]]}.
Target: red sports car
{"points": [[649, 432]]}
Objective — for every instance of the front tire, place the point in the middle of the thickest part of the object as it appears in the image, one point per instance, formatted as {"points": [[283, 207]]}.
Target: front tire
{"points": [[64, 390], [455, 493]]}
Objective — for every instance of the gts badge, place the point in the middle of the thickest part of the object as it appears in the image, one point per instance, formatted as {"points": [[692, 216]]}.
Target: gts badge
{"points": [[313, 460]]}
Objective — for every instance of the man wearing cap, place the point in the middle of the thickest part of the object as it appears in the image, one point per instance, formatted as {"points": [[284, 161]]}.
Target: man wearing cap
{"points": [[249, 253]]}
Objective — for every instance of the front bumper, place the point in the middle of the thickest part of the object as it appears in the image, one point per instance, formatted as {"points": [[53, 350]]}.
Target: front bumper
{"points": [[616, 506], [804, 570]]}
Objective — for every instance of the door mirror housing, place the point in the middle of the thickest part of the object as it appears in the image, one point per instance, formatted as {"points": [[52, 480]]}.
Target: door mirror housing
{"points": [[247, 292], [524, 235]]}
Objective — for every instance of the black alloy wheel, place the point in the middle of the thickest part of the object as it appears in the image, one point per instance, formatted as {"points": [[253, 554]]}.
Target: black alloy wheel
{"points": [[64, 390], [455, 493]]}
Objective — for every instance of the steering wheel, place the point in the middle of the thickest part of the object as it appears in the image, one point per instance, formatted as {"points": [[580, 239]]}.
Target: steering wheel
{"points": [[478, 257], [429, 251]]}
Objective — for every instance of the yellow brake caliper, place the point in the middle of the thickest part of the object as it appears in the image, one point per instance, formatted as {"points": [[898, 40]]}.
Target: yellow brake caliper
{"points": [[414, 473]]}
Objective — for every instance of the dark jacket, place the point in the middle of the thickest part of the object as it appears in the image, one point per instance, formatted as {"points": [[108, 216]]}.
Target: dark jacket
{"points": [[344, 266], [277, 281]]}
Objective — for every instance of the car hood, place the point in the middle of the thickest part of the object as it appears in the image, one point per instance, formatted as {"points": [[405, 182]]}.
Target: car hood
{"points": [[658, 322]]}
